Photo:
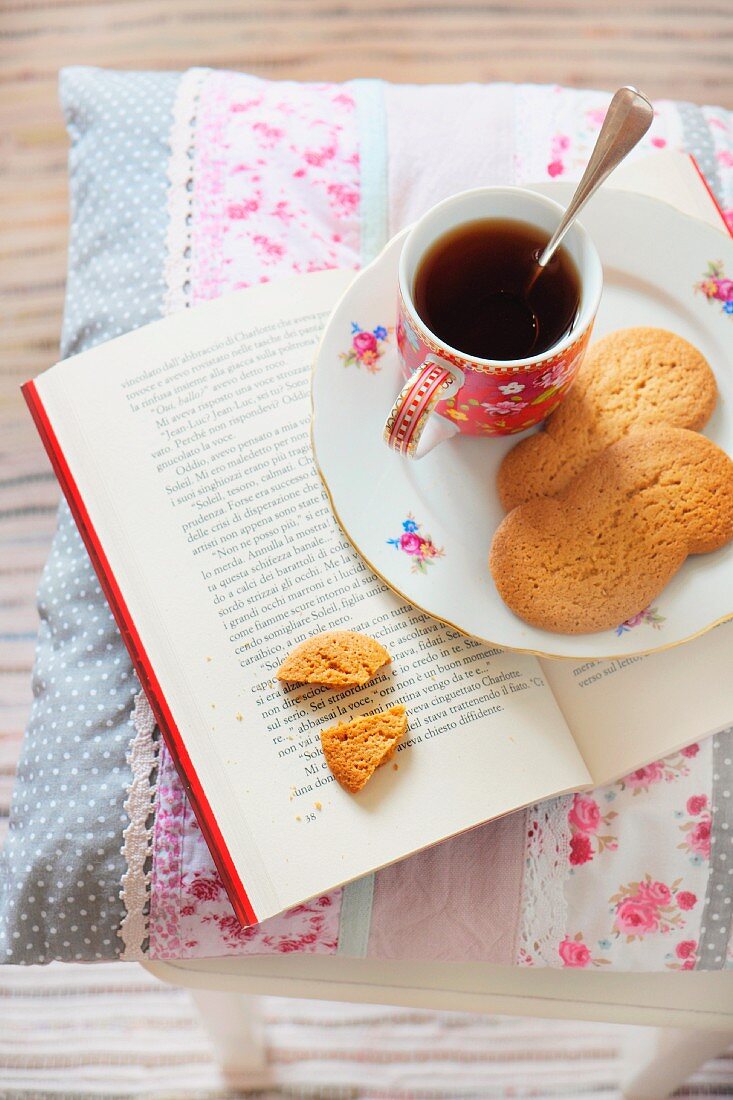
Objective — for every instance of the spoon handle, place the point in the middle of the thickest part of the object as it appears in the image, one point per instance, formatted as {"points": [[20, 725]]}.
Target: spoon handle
{"points": [[628, 118]]}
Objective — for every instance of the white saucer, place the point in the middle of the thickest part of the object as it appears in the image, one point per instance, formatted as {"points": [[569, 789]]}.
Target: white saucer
{"points": [[445, 506]]}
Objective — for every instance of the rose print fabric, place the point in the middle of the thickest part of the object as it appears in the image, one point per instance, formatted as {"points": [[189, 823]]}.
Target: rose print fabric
{"points": [[417, 544], [275, 191], [638, 866]]}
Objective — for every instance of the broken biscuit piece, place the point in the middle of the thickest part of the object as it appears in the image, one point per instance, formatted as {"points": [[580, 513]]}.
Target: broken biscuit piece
{"points": [[335, 659], [354, 750]]}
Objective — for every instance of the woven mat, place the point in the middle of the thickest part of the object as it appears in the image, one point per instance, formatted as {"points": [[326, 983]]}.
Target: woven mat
{"points": [[114, 1031]]}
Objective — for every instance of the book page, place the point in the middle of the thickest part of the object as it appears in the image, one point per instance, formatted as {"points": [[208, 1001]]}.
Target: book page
{"points": [[670, 176], [190, 444], [628, 712]]}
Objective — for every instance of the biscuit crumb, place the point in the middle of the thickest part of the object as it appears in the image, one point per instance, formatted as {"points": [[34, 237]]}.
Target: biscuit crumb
{"points": [[298, 817], [238, 716], [395, 767], [318, 805], [208, 658]]}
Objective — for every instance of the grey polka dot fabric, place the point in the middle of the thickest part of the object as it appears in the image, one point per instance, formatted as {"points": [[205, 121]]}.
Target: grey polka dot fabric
{"points": [[61, 865], [717, 914], [699, 140]]}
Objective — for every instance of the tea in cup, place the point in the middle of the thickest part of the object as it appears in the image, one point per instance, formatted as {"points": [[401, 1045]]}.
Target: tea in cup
{"points": [[488, 343]]}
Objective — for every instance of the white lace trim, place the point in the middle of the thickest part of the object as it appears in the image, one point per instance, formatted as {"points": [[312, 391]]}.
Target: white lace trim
{"points": [[177, 270], [142, 757], [543, 920], [137, 838]]}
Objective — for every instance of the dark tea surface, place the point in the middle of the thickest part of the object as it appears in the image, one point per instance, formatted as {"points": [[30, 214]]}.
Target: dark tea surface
{"points": [[471, 290]]}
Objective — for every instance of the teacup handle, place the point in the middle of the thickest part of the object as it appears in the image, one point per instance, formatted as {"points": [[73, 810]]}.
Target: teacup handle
{"points": [[433, 381]]}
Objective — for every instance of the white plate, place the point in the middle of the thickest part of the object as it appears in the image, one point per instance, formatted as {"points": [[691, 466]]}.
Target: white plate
{"points": [[653, 257]]}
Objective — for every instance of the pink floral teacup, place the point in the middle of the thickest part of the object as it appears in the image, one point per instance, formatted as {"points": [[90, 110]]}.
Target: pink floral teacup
{"points": [[448, 392]]}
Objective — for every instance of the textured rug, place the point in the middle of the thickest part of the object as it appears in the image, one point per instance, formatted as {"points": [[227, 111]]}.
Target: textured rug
{"points": [[111, 1030]]}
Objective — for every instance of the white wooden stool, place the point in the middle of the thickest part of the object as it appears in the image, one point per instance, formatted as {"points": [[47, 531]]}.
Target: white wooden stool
{"points": [[690, 1015]]}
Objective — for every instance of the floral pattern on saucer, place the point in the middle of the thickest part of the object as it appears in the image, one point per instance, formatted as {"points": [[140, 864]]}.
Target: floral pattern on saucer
{"points": [[420, 548], [649, 615], [716, 287], [366, 347]]}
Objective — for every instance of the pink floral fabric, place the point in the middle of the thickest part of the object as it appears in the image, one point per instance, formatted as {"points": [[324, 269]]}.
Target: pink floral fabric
{"points": [[276, 178], [190, 914], [276, 193], [560, 126], [638, 866]]}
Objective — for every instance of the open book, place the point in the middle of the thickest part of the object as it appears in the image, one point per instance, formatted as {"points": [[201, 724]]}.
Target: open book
{"points": [[183, 449]]}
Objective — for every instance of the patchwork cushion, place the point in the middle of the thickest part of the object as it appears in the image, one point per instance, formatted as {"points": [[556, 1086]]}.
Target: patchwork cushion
{"points": [[61, 869]]}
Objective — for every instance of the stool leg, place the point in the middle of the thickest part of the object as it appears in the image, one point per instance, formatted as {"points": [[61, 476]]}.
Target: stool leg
{"points": [[669, 1057], [236, 1029]]}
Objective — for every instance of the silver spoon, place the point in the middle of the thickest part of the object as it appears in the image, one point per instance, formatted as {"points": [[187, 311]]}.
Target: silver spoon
{"points": [[628, 118]]}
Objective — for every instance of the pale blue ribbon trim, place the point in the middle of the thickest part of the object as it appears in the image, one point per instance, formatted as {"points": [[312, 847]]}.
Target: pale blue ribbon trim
{"points": [[371, 122]]}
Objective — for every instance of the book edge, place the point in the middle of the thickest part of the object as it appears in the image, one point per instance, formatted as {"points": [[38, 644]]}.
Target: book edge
{"points": [[194, 790], [711, 195]]}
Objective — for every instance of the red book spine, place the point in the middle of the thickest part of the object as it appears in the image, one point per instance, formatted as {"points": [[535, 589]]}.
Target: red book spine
{"points": [[217, 846]]}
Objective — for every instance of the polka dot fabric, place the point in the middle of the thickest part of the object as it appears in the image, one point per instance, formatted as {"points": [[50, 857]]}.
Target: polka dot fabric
{"points": [[61, 865]]}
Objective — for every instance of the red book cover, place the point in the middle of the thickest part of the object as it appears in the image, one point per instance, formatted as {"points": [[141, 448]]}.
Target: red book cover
{"points": [[217, 846]]}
